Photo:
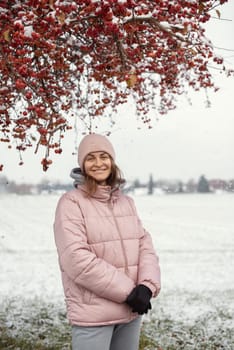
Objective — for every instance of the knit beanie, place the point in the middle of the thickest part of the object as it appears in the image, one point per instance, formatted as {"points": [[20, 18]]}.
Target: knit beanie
{"points": [[94, 143]]}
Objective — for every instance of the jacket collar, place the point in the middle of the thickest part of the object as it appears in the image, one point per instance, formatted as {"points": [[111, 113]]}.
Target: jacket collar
{"points": [[103, 193], [77, 176]]}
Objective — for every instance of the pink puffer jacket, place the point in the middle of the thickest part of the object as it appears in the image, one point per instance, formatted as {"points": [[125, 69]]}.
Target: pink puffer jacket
{"points": [[103, 253]]}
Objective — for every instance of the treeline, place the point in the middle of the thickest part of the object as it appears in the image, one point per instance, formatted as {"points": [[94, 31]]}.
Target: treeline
{"points": [[7, 186], [152, 186], [201, 185]]}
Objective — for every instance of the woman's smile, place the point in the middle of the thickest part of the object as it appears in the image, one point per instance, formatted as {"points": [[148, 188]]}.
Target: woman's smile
{"points": [[98, 166]]}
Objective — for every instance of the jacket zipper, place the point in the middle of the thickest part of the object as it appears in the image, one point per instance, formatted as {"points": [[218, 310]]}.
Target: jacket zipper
{"points": [[126, 269]]}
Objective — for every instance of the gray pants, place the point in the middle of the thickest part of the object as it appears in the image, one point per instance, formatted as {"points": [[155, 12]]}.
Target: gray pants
{"points": [[111, 337]]}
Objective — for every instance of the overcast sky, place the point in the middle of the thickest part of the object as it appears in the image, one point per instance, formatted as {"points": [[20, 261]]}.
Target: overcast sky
{"points": [[188, 142]]}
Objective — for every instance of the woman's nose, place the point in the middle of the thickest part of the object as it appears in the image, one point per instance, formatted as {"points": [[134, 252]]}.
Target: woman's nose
{"points": [[98, 161]]}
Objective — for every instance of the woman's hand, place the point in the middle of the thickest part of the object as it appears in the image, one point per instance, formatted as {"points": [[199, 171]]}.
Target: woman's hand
{"points": [[139, 299]]}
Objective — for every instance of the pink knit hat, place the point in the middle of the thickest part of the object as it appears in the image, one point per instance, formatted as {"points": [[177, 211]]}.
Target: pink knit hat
{"points": [[94, 143]]}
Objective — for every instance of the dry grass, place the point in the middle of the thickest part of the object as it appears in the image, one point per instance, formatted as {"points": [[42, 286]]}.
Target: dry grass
{"points": [[38, 326]]}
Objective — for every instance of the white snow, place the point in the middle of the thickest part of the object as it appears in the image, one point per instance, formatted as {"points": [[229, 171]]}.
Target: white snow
{"points": [[193, 235]]}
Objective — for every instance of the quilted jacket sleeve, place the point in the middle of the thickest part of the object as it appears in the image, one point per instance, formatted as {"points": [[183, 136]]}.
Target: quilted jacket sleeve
{"points": [[148, 267], [149, 270], [77, 260]]}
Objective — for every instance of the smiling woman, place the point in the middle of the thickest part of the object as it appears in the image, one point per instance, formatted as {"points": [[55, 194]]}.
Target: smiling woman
{"points": [[98, 166], [96, 157], [109, 267]]}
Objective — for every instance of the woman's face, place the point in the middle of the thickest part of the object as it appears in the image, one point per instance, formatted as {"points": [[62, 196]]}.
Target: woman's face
{"points": [[98, 166]]}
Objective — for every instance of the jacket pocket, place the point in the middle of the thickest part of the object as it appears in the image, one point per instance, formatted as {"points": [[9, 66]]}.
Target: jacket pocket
{"points": [[87, 296]]}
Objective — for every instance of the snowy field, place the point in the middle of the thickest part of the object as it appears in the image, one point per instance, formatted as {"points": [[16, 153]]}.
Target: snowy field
{"points": [[193, 235]]}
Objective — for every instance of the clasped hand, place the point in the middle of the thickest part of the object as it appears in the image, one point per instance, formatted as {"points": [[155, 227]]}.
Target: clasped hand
{"points": [[139, 299]]}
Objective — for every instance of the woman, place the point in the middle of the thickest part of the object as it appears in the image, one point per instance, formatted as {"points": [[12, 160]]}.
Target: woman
{"points": [[108, 264]]}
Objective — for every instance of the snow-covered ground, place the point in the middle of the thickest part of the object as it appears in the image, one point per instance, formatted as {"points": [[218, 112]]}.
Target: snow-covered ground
{"points": [[193, 235]]}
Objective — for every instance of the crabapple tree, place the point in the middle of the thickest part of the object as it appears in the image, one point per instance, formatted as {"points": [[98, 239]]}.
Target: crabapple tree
{"points": [[61, 60]]}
